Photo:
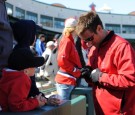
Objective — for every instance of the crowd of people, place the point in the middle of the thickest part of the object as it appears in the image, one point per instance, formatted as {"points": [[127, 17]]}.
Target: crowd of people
{"points": [[85, 55]]}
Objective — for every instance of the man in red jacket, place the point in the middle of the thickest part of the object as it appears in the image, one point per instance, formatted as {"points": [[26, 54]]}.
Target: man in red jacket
{"points": [[113, 62]]}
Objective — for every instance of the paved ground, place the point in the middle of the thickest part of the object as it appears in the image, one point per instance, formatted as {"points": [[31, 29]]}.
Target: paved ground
{"points": [[43, 84]]}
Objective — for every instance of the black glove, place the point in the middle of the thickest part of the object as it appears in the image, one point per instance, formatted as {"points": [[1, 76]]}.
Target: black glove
{"points": [[95, 74], [85, 73], [88, 68]]}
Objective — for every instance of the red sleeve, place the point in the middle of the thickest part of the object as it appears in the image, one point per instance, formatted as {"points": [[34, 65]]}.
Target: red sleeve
{"points": [[124, 60], [17, 98]]}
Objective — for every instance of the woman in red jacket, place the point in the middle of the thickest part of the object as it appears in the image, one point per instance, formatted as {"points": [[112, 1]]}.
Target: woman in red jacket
{"points": [[68, 61]]}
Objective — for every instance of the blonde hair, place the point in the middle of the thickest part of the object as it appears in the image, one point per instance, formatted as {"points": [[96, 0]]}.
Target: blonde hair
{"points": [[68, 31]]}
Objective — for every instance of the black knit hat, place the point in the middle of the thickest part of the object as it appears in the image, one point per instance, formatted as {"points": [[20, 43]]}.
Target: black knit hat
{"points": [[23, 58]]}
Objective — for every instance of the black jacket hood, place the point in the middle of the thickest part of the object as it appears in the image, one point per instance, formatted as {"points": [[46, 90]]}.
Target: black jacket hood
{"points": [[24, 33]]}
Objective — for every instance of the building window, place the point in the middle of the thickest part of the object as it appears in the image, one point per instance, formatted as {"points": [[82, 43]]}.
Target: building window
{"points": [[128, 29], [59, 23], [20, 13], [46, 21], [9, 8], [114, 27], [31, 16]]}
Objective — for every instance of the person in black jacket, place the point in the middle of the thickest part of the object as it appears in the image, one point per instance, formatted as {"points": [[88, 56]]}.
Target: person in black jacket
{"points": [[25, 34], [6, 36]]}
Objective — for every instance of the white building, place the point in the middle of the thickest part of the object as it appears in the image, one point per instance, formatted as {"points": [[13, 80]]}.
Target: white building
{"points": [[52, 17]]}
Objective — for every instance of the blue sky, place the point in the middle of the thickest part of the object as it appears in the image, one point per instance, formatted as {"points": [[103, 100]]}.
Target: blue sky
{"points": [[117, 6]]}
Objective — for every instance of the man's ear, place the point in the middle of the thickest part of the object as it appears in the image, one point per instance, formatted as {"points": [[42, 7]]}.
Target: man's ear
{"points": [[99, 28]]}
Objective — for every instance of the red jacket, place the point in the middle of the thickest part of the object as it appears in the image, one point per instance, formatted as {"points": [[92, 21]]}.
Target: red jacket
{"points": [[68, 61], [116, 93], [14, 90]]}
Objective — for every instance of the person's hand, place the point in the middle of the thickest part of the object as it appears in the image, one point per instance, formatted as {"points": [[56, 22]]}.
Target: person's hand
{"points": [[95, 74], [41, 100], [88, 68], [86, 71], [53, 100]]}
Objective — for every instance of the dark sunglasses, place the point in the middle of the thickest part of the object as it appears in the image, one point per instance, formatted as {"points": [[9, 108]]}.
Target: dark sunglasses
{"points": [[89, 39]]}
